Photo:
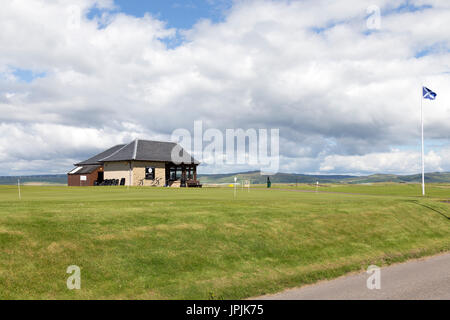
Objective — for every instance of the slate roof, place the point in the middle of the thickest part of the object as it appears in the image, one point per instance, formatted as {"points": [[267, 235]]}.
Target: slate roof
{"points": [[95, 159], [85, 169], [141, 150]]}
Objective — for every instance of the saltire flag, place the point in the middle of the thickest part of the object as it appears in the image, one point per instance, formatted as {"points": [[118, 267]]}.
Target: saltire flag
{"points": [[428, 94]]}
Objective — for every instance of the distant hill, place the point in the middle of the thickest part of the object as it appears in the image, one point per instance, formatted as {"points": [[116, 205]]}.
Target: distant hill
{"points": [[45, 179], [436, 177], [256, 178]]}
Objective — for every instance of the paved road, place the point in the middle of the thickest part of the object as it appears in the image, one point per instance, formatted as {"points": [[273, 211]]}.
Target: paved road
{"points": [[420, 279]]}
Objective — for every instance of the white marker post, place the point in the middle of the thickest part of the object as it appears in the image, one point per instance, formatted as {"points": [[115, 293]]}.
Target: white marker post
{"points": [[18, 186], [235, 180], [317, 186]]}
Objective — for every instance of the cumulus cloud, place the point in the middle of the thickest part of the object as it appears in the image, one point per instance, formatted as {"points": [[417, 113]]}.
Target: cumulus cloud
{"points": [[387, 162], [344, 97]]}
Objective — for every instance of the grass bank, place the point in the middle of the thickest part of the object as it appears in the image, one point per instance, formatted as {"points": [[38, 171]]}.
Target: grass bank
{"points": [[146, 243]]}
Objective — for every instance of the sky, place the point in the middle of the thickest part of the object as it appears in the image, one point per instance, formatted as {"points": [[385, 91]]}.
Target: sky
{"points": [[343, 87], [180, 14]]}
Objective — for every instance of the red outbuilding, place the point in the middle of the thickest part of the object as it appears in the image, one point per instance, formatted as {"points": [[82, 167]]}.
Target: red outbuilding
{"points": [[85, 176]]}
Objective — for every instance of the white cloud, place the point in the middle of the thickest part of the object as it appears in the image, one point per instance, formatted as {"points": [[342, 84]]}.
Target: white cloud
{"points": [[342, 97], [387, 162]]}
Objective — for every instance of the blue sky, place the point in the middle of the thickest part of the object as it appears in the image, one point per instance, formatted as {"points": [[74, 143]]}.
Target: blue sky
{"points": [[27, 75], [180, 14]]}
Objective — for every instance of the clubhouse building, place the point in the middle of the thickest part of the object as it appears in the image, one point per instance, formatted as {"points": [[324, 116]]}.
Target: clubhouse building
{"points": [[139, 163]]}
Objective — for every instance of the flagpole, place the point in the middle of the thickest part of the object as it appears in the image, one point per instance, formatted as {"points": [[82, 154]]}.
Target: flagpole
{"points": [[423, 149], [18, 185]]}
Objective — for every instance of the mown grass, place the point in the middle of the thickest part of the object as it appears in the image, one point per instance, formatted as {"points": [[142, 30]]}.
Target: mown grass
{"points": [[392, 189], [146, 243]]}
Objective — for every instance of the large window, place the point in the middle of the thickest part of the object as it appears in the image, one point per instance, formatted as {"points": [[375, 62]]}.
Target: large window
{"points": [[175, 173], [149, 173]]}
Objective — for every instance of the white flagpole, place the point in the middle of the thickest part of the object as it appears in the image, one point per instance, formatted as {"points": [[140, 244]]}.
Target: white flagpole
{"points": [[423, 150], [18, 185]]}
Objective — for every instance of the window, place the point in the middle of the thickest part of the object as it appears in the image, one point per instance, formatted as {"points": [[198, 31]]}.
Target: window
{"points": [[149, 173], [175, 173]]}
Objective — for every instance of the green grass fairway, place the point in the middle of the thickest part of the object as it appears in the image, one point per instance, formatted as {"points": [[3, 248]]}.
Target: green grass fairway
{"points": [[392, 189], [155, 243]]}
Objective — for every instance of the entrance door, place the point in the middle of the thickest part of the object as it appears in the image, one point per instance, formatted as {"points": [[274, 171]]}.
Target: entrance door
{"points": [[100, 177]]}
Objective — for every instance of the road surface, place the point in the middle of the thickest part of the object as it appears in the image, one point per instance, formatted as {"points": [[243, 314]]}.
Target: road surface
{"points": [[426, 279]]}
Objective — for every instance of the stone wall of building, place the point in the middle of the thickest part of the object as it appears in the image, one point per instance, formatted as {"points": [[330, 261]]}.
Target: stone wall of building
{"points": [[118, 170], [139, 173]]}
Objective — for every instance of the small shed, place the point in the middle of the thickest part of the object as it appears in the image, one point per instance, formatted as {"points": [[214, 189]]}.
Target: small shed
{"points": [[85, 176]]}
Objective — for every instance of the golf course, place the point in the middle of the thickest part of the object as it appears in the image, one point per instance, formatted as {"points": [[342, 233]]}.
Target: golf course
{"points": [[167, 243]]}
